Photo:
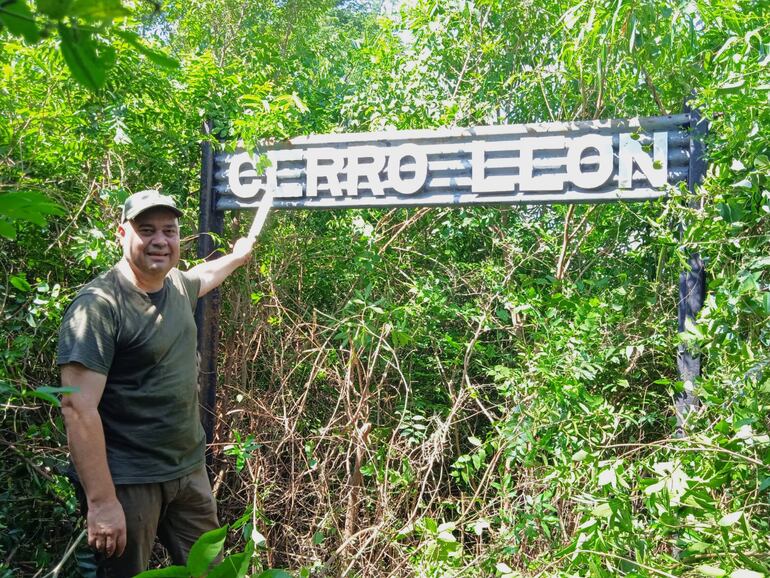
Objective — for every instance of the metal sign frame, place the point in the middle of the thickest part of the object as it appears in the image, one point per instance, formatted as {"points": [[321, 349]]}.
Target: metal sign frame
{"points": [[599, 161]]}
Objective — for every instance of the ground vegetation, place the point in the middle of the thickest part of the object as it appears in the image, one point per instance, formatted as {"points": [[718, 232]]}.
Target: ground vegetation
{"points": [[426, 392]]}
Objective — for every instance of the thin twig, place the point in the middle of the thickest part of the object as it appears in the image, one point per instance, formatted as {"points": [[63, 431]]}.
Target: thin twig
{"points": [[56, 569]]}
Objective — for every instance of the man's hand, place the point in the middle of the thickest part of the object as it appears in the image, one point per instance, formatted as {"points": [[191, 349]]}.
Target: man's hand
{"points": [[107, 527], [242, 249]]}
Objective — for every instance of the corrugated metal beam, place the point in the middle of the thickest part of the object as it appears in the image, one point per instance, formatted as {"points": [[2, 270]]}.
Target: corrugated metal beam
{"points": [[575, 162]]}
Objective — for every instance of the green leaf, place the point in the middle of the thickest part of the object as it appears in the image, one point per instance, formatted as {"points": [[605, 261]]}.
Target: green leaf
{"points": [[405, 531], [480, 525], [53, 400], [446, 537], [603, 510], [729, 42], [318, 538], [153, 55], [6, 387], [691, 331], [16, 16], [301, 106], [205, 549], [579, 456], [20, 283], [760, 263], [258, 539], [56, 9], [31, 206], [730, 519], [234, 566], [743, 573], [608, 477], [168, 572], [732, 84], [99, 10], [707, 570], [655, 488], [274, 574], [7, 230], [79, 51], [48, 393]]}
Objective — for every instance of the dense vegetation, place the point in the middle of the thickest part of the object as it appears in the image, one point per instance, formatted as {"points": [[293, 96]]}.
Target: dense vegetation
{"points": [[433, 392]]}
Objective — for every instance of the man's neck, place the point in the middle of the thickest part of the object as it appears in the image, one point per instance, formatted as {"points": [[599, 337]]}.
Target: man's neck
{"points": [[146, 284]]}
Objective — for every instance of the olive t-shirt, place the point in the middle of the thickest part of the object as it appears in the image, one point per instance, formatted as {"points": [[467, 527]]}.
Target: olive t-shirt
{"points": [[146, 346]]}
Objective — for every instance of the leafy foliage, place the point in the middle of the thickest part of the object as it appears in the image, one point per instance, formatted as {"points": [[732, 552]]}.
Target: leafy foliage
{"points": [[81, 26], [202, 561], [431, 392]]}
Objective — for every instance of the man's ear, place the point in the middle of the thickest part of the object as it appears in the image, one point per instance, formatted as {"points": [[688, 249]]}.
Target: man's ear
{"points": [[121, 233]]}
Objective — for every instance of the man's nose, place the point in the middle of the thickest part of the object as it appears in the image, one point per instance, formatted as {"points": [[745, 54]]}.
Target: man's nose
{"points": [[158, 238]]}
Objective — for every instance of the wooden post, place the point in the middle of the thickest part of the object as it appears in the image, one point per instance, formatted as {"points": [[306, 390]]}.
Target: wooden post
{"points": [[692, 282], [207, 312]]}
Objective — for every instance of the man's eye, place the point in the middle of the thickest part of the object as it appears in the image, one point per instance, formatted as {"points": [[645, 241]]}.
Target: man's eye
{"points": [[145, 231]]}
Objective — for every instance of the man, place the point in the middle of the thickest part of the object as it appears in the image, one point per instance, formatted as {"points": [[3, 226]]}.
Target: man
{"points": [[128, 345]]}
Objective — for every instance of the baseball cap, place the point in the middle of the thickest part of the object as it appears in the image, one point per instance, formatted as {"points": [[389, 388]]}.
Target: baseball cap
{"points": [[144, 200]]}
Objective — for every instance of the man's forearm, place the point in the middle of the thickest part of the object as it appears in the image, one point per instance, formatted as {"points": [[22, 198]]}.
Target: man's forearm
{"points": [[106, 520], [212, 273], [85, 436]]}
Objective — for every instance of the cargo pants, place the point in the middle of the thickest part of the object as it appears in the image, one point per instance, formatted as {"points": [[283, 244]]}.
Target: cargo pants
{"points": [[177, 512]]}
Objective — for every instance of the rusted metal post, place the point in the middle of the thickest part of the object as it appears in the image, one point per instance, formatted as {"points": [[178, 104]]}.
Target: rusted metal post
{"points": [[207, 312], [692, 282]]}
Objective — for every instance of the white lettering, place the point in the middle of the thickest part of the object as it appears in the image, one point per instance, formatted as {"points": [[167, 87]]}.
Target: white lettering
{"points": [[370, 170], [285, 190], [594, 179], [480, 182], [655, 169], [253, 186], [510, 164], [407, 186], [330, 170], [547, 182]]}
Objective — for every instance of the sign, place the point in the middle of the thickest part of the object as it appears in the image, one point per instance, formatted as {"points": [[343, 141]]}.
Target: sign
{"points": [[564, 162], [577, 162]]}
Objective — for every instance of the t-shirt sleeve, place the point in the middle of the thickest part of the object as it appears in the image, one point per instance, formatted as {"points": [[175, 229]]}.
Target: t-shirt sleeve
{"points": [[88, 334], [192, 285]]}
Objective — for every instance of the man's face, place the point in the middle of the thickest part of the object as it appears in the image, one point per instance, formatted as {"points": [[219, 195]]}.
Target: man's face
{"points": [[151, 242]]}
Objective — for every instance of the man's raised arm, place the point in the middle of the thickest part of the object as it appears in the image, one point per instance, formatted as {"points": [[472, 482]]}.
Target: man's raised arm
{"points": [[213, 273], [85, 435]]}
